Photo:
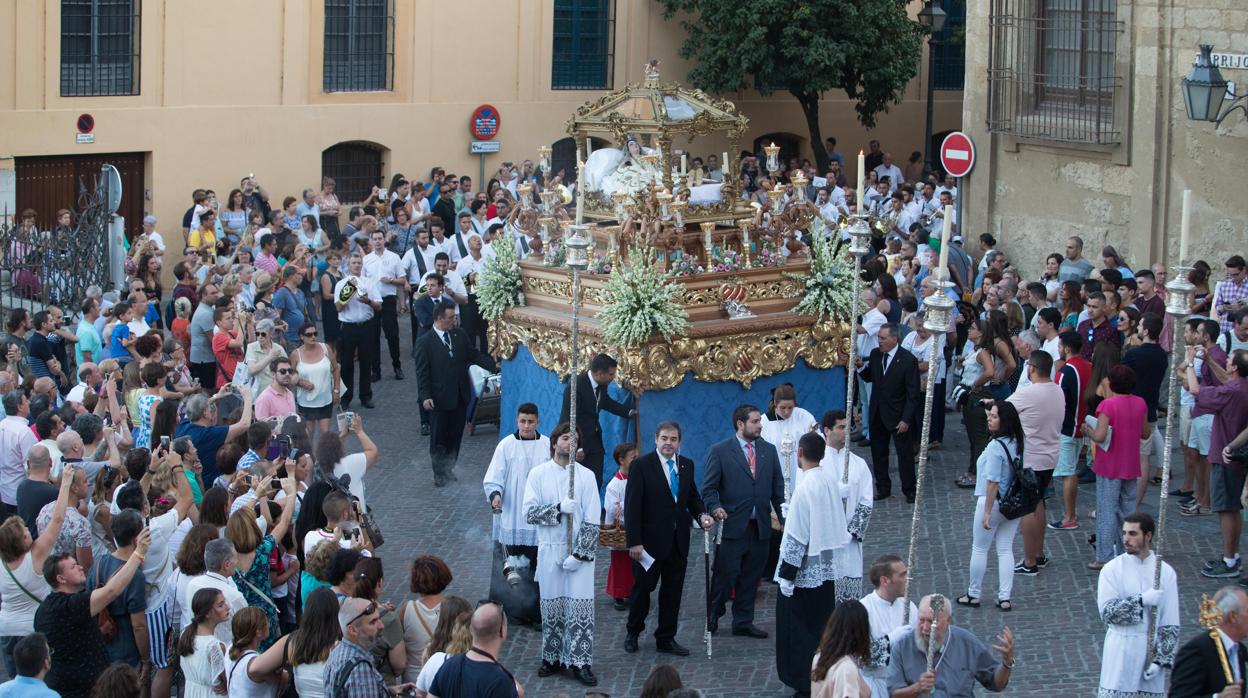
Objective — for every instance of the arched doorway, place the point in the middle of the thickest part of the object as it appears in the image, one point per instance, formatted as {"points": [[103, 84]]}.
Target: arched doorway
{"points": [[563, 156], [790, 146], [356, 167]]}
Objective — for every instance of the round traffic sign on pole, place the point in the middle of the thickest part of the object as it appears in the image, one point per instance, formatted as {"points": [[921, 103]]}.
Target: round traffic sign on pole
{"points": [[86, 123], [957, 154], [484, 122]]}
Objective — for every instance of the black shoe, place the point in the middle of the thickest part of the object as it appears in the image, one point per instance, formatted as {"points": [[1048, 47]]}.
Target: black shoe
{"points": [[424, 429], [439, 482], [548, 669], [1042, 561], [909, 499], [398, 374], [1180, 492], [630, 644], [712, 625], [585, 675], [376, 377], [620, 605], [367, 403], [750, 631], [1022, 569], [670, 647], [882, 495]]}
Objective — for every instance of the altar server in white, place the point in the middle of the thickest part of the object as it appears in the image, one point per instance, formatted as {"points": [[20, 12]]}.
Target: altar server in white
{"points": [[814, 535], [515, 550], [857, 501], [1126, 599], [785, 417], [886, 608], [566, 577]]}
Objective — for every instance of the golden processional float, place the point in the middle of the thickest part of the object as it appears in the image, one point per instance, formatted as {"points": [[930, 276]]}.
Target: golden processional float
{"points": [[736, 271]]}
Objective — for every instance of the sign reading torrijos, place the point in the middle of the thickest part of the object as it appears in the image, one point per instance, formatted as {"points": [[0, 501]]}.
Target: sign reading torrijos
{"points": [[484, 122]]}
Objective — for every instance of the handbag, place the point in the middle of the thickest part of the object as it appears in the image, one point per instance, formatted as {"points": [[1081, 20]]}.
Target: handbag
{"points": [[104, 619], [1023, 494]]}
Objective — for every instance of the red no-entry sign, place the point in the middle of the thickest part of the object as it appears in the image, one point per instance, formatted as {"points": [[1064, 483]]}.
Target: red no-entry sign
{"points": [[957, 154]]}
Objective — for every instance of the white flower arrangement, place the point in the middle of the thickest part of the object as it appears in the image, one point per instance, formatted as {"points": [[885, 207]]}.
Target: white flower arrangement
{"points": [[641, 301], [500, 285], [827, 289]]}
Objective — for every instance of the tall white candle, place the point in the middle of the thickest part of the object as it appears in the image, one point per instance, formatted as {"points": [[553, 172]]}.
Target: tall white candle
{"points": [[683, 158], [1185, 222], [724, 166], [944, 242], [862, 168], [580, 191]]}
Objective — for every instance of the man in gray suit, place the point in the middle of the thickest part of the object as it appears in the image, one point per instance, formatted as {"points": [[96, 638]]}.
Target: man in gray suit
{"points": [[743, 484]]}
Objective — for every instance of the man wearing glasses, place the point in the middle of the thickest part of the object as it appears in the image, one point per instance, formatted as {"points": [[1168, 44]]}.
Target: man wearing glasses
{"points": [[349, 672]]}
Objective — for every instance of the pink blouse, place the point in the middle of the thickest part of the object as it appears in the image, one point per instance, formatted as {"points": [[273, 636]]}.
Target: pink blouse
{"points": [[1126, 415]]}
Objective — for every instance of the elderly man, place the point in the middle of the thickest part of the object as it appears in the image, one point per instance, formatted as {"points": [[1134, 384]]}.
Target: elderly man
{"points": [[220, 561], [74, 450], [349, 671], [960, 659], [89, 378], [16, 438], [201, 426], [1198, 668]]}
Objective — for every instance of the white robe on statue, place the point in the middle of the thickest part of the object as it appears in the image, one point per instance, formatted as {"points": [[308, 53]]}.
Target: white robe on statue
{"points": [[857, 501], [567, 596], [885, 619], [1125, 654], [507, 475], [798, 423]]}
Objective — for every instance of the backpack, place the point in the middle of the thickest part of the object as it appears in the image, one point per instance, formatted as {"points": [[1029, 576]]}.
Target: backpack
{"points": [[1023, 494]]}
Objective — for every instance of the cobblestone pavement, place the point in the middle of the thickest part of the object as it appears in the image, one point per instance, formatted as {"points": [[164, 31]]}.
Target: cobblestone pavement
{"points": [[1055, 622]]}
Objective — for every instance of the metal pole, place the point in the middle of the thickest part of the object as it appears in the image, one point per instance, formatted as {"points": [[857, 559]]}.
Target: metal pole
{"points": [[937, 309], [931, 90], [573, 379], [480, 170], [1178, 294], [859, 233]]}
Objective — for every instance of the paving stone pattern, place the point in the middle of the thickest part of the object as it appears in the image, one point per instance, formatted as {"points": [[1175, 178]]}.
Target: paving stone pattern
{"points": [[1055, 622]]}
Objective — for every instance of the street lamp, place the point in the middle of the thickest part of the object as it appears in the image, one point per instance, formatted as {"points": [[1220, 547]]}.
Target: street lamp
{"points": [[1204, 91], [933, 18]]}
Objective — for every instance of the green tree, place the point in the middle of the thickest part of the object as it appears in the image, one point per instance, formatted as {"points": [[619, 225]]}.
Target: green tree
{"points": [[868, 48]]}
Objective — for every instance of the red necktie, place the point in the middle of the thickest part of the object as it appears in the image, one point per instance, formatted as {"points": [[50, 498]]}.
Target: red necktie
{"points": [[749, 455]]}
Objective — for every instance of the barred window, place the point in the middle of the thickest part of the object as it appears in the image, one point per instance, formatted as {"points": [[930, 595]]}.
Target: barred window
{"points": [[1052, 73], [949, 48], [583, 54], [359, 45], [100, 47], [355, 167]]}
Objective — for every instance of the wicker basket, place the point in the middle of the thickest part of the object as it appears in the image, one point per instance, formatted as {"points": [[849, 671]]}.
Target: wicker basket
{"points": [[613, 538]]}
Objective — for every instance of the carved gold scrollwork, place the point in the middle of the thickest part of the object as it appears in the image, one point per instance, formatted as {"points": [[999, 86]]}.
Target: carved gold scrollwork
{"points": [[660, 365]]}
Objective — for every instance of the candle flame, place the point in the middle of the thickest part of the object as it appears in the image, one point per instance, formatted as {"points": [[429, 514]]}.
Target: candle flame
{"points": [[859, 153]]}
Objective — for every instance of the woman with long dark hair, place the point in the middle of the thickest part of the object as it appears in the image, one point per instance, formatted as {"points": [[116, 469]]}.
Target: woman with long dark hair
{"points": [[308, 647], [662, 680], [843, 650], [452, 636], [1071, 296], [994, 473], [201, 656], [886, 291]]}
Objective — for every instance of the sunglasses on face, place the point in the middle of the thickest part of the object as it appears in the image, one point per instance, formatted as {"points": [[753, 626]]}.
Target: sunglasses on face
{"points": [[285, 371], [262, 334], [309, 334]]}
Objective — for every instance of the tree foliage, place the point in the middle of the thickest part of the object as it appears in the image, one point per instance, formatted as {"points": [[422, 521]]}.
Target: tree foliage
{"points": [[869, 49]]}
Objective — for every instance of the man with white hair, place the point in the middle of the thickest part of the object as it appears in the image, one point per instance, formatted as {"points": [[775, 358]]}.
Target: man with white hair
{"points": [[960, 658], [220, 561], [349, 671], [1198, 668], [1026, 342], [73, 450], [89, 378]]}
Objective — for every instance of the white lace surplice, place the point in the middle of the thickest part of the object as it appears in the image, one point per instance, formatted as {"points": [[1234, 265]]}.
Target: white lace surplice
{"points": [[508, 472], [1118, 598]]}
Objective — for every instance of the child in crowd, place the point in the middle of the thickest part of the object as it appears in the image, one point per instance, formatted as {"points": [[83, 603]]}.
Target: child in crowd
{"points": [[620, 575]]}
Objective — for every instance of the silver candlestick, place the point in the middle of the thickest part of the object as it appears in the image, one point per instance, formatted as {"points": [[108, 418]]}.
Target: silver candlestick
{"points": [[786, 454], [937, 310], [1178, 298], [859, 245]]}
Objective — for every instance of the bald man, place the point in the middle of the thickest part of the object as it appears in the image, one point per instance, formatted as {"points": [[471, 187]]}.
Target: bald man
{"points": [[477, 672], [37, 489]]}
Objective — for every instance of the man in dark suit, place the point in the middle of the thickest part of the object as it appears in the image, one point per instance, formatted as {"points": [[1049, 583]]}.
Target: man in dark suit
{"points": [[894, 373], [591, 397], [422, 323], [742, 485], [659, 501], [442, 358], [1197, 667]]}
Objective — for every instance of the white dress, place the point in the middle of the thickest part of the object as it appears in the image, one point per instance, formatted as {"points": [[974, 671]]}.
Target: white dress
{"points": [[885, 619], [203, 667], [798, 423], [509, 470], [1125, 654], [857, 500], [567, 598]]}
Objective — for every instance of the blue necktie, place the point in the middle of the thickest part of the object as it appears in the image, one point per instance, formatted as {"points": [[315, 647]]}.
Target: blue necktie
{"points": [[675, 484]]}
